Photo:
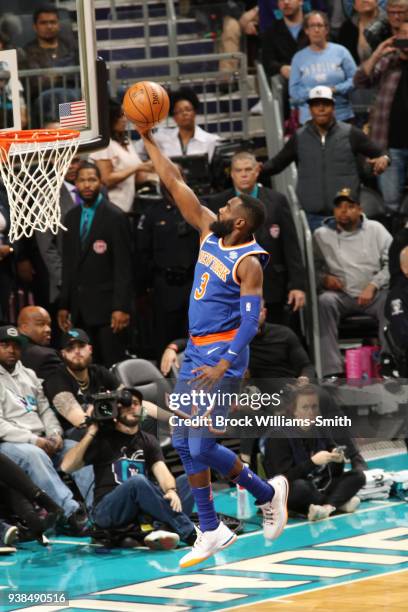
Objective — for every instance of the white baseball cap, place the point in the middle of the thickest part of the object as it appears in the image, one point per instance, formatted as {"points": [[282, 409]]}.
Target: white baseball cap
{"points": [[321, 92]]}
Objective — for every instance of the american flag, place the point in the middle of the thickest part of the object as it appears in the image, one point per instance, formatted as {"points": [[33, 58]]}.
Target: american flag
{"points": [[73, 114]]}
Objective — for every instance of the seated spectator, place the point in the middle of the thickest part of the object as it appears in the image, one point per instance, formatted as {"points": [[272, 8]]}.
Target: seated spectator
{"points": [[388, 68], [50, 244], [351, 35], [378, 32], [128, 462], [97, 269], [48, 49], [284, 275], [30, 433], [187, 138], [326, 153], [70, 386], [281, 41], [34, 509], [34, 324], [312, 463], [352, 267], [120, 166], [321, 63]]}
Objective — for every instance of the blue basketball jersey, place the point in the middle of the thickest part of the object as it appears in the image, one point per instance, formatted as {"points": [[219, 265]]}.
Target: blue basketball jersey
{"points": [[215, 296]]}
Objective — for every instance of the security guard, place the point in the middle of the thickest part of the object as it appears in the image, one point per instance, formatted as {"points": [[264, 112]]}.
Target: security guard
{"points": [[167, 249]]}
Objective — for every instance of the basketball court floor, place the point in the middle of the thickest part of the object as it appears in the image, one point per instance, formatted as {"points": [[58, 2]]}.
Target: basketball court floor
{"points": [[357, 562]]}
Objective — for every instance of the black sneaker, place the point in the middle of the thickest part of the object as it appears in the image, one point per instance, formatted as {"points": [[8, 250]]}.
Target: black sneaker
{"points": [[76, 524]]}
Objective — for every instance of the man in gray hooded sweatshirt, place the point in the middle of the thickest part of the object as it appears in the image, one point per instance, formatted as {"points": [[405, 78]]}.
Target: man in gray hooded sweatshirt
{"points": [[351, 256]]}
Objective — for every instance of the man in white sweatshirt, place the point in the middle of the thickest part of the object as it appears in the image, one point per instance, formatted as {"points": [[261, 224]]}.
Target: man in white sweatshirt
{"points": [[30, 433], [351, 256]]}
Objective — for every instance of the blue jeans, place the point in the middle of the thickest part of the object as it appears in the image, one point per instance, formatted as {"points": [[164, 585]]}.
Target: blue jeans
{"points": [[138, 495], [42, 470], [392, 181]]}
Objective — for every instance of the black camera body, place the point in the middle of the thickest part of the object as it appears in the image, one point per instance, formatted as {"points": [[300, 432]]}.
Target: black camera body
{"points": [[106, 404]]}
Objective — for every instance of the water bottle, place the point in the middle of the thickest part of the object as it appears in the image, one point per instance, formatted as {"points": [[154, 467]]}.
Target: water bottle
{"points": [[243, 506]]}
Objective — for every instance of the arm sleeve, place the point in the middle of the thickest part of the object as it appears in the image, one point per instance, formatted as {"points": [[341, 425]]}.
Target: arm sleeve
{"points": [[361, 143], [285, 157], [320, 263], [349, 68], [384, 239], [122, 289], [250, 309], [298, 92]]}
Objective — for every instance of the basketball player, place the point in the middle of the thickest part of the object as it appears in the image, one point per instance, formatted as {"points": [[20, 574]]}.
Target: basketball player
{"points": [[223, 318]]}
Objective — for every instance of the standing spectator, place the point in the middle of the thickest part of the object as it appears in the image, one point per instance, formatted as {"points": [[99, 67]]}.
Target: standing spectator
{"points": [[352, 266], [281, 41], [321, 63], [376, 33], [284, 274], [120, 166], [352, 36], [167, 249], [30, 433], [49, 244], [388, 68], [325, 151], [96, 269], [187, 138], [283, 38]]}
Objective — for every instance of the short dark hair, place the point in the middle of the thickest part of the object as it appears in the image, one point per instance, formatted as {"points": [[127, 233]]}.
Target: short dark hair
{"points": [[184, 93], [254, 210], [87, 165], [44, 8]]}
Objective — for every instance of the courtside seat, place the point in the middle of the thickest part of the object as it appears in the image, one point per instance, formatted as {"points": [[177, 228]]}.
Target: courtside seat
{"points": [[357, 327], [143, 375]]}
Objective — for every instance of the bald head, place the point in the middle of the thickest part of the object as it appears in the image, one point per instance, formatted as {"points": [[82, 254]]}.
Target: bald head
{"points": [[35, 323]]}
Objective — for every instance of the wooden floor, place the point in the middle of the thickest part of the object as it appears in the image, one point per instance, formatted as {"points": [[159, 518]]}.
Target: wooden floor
{"points": [[386, 594]]}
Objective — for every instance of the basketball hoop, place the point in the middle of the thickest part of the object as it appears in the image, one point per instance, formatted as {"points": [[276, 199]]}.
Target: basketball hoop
{"points": [[33, 164]]}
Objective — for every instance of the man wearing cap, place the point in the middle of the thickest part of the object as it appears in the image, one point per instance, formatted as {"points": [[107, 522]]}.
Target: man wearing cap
{"points": [[352, 268], [30, 433], [325, 151], [70, 385], [126, 460]]}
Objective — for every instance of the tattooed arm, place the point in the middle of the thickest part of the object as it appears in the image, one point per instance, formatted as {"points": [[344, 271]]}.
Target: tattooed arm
{"points": [[67, 406]]}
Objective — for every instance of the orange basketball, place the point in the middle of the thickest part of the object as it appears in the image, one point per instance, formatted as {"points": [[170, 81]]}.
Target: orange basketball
{"points": [[146, 104]]}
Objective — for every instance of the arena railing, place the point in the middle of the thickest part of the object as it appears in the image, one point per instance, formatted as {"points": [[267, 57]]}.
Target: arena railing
{"points": [[285, 182], [224, 106]]}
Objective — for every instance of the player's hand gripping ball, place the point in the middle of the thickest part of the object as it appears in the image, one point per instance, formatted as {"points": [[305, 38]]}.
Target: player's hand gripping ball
{"points": [[146, 104]]}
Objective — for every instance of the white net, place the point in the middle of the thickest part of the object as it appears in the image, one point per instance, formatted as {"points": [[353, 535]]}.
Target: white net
{"points": [[33, 172]]}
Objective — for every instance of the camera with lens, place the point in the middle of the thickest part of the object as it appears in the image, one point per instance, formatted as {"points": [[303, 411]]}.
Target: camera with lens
{"points": [[106, 405]]}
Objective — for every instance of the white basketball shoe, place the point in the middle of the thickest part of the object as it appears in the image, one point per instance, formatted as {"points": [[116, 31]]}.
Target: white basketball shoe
{"points": [[275, 513], [207, 544]]}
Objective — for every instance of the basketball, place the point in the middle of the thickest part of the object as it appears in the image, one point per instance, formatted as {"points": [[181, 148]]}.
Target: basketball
{"points": [[146, 104]]}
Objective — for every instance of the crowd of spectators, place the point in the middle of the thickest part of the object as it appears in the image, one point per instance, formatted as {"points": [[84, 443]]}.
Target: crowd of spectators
{"points": [[69, 303]]}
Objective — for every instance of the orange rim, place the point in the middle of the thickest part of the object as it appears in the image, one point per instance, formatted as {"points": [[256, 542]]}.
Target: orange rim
{"points": [[27, 136]]}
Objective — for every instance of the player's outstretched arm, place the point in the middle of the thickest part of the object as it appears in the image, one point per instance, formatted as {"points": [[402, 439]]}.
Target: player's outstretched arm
{"points": [[189, 205]]}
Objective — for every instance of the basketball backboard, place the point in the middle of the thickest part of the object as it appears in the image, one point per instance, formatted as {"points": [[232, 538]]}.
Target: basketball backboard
{"points": [[50, 74]]}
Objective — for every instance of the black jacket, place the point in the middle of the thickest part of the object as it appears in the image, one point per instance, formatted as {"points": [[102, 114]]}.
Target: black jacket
{"points": [[279, 47], [44, 360], [278, 236], [97, 276]]}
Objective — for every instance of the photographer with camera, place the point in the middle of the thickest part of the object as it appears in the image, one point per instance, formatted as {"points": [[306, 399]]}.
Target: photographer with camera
{"points": [[126, 462], [387, 68]]}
